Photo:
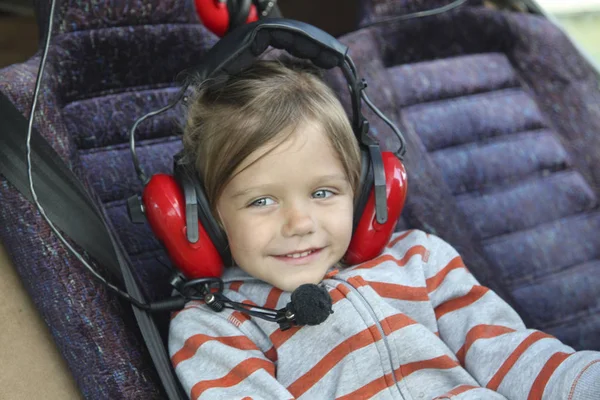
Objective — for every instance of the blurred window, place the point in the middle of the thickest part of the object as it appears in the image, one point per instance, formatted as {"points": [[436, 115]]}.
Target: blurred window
{"points": [[581, 20]]}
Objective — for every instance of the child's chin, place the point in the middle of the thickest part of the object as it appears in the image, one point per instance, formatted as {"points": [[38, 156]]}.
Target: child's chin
{"points": [[292, 285]]}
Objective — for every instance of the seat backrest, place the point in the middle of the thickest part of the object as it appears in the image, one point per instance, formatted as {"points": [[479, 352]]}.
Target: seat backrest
{"points": [[493, 119], [502, 118], [370, 11], [107, 66]]}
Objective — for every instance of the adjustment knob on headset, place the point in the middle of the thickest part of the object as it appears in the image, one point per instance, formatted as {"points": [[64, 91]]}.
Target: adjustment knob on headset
{"points": [[212, 301], [135, 208]]}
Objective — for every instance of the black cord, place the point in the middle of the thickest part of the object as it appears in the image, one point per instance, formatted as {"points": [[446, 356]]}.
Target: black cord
{"points": [[363, 94], [402, 148], [136, 162], [419, 14], [38, 83], [244, 308]]}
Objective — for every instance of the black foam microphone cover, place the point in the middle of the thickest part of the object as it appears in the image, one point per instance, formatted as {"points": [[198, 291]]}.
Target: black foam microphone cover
{"points": [[311, 304]]}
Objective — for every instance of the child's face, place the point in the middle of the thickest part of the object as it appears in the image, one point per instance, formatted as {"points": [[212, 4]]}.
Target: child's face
{"points": [[288, 214]]}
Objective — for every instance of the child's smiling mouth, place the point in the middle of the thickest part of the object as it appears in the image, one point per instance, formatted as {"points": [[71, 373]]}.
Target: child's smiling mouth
{"points": [[299, 257]]}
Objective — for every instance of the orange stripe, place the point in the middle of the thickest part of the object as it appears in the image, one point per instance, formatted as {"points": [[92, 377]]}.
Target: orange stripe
{"points": [[336, 295], [370, 389], [395, 323], [376, 261], [400, 292], [415, 250], [235, 286], [457, 390], [399, 238], [192, 344], [353, 343], [331, 274], [343, 289], [279, 337], [480, 332], [441, 362], [539, 385], [238, 318], [273, 297], [435, 281], [474, 294], [357, 281], [391, 323], [392, 290], [496, 380], [235, 376], [271, 354]]}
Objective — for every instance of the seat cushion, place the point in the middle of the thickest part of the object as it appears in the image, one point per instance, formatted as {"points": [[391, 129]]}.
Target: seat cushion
{"points": [[107, 67], [484, 138], [371, 11]]}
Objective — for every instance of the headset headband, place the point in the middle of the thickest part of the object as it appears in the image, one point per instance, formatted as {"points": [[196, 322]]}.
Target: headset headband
{"points": [[240, 48]]}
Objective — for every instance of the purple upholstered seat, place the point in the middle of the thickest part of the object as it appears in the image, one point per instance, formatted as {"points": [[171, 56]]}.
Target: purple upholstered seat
{"points": [[108, 65], [502, 118], [502, 115]]}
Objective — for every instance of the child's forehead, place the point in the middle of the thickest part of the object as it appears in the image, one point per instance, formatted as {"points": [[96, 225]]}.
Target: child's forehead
{"points": [[290, 145], [306, 151]]}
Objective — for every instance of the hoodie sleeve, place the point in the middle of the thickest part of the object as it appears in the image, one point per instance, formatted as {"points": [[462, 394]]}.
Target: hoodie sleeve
{"points": [[492, 343], [214, 359]]}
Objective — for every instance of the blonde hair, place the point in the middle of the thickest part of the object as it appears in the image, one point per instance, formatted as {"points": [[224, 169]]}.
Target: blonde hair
{"points": [[228, 121]]}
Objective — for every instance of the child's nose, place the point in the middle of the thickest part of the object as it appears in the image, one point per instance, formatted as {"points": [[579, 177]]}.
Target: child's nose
{"points": [[298, 221]]}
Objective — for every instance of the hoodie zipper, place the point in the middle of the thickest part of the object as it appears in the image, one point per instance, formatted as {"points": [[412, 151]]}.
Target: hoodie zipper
{"points": [[377, 323]]}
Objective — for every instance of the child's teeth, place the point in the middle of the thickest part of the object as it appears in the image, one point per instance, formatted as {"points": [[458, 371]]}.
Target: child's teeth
{"points": [[298, 255]]}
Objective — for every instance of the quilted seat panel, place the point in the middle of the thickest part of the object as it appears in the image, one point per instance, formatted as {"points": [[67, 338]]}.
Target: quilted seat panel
{"points": [[510, 175], [113, 171], [548, 248], [471, 118], [447, 78], [475, 166], [496, 158], [107, 66], [575, 324], [105, 120], [528, 203], [377, 10], [104, 61], [87, 15]]}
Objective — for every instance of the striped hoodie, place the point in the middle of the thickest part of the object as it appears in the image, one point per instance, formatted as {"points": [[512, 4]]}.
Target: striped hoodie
{"points": [[412, 323]]}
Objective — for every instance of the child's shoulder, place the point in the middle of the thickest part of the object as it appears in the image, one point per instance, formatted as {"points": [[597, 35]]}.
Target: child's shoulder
{"points": [[406, 239], [414, 238]]}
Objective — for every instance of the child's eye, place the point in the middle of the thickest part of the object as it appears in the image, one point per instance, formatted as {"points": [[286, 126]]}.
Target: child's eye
{"points": [[262, 202], [322, 194]]}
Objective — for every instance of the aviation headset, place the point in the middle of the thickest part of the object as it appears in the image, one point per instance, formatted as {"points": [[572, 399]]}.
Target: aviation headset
{"points": [[176, 206]]}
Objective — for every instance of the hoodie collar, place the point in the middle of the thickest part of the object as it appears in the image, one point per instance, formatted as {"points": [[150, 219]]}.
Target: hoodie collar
{"points": [[233, 274]]}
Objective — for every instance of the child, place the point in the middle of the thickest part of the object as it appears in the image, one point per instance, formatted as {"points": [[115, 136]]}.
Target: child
{"points": [[281, 167]]}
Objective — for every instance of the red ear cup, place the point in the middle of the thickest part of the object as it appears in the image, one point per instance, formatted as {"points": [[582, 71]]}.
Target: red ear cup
{"points": [[370, 237], [164, 206], [215, 15]]}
